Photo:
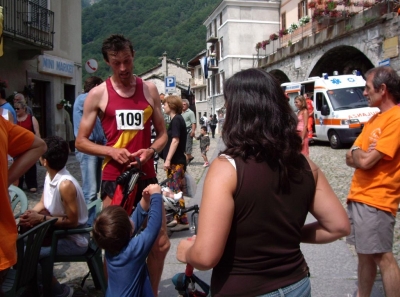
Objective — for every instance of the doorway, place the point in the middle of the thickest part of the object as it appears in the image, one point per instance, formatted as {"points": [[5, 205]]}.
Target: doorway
{"points": [[69, 95], [40, 91]]}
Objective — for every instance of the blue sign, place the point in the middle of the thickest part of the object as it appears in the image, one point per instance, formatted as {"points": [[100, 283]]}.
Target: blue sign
{"points": [[55, 65], [170, 84], [385, 62]]}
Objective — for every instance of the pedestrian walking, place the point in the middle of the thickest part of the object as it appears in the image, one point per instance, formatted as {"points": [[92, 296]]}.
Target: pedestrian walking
{"points": [[204, 144], [190, 121], [374, 197]]}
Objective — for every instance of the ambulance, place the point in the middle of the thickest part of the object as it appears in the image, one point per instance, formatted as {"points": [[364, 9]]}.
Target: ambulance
{"points": [[340, 108]]}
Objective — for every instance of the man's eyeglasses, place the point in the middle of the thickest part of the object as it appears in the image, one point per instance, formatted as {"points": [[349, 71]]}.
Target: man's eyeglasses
{"points": [[17, 108]]}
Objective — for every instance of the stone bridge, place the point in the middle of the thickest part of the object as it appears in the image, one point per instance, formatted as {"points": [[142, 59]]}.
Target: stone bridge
{"points": [[357, 43]]}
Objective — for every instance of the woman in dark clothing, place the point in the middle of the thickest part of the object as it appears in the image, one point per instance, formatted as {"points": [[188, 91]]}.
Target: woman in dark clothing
{"points": [[29, 122], [174, 157], [261, 190], [213, 124]]}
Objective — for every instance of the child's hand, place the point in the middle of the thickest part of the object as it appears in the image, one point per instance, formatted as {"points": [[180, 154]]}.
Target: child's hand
{"points": [[183, 247], [152, 189]]}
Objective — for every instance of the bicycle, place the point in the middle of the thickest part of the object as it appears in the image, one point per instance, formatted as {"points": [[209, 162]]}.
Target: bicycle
{"points": [[185, 283]]}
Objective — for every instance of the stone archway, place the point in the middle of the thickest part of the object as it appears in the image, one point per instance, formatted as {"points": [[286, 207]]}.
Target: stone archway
{"points": [[280, 76], [343, 59]]}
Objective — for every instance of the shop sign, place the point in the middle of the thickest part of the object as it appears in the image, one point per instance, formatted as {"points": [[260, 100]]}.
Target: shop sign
{"points": [[56, 66]]}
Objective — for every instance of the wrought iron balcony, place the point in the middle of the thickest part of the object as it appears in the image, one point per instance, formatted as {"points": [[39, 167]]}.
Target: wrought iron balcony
{"points": [[28, 22]]}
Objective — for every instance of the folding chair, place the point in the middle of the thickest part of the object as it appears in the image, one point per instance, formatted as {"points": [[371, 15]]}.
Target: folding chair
{"points": [[23, 275], [17, 196], [92, 257]]}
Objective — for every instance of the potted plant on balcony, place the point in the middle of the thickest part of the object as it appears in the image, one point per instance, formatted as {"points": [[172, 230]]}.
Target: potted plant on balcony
{"points": [[331, 5], [273, 36], [283, 32], [304, 20], [293, 27], [311, 4], [264, 43], [63, 103]]}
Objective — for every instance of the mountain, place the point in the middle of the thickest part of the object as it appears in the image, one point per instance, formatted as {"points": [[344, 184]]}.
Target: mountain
{"points": [[154, 27]]}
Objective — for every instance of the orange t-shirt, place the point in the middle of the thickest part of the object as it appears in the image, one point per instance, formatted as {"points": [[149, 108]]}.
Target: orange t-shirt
{"points": [[379, 186], [310, 107], [14, 140]]}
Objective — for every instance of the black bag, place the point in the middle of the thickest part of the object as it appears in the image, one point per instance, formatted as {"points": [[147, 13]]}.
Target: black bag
{"points": [[201, 121]]}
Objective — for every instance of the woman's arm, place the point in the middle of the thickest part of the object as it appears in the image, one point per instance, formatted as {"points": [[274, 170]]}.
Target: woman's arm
{"points": [[305, 124], [332, 221], [171, 152], [36, 126], [206, 251]]}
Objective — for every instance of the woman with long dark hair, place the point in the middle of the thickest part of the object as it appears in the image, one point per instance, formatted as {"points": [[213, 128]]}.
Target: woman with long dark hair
{"points": [[261, 189]]}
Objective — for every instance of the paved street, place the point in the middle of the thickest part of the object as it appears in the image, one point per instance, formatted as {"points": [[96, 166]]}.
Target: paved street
{"points": [[333, 266]]}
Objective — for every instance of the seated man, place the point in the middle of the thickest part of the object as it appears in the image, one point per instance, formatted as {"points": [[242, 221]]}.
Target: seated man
{"points": [[62, 198]]}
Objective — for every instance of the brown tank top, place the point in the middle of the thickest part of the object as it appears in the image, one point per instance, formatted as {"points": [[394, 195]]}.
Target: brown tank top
{"points": [[262, 253]]}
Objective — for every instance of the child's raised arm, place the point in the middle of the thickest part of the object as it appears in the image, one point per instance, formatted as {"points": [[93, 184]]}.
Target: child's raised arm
{"points": [[150, 189]]}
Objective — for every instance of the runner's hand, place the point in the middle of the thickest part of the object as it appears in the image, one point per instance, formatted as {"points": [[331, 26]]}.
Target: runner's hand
{"points": [[121, 155]]}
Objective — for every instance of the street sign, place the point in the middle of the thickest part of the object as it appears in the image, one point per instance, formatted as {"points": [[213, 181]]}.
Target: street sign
{"points": [[170, 84], [385, 62]]}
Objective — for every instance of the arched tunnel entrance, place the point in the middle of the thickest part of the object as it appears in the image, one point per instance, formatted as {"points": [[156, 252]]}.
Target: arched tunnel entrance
{"points": [[344, 59]]}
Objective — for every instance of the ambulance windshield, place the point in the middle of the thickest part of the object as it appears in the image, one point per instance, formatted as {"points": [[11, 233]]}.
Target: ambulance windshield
{"points": [[347, 98]]}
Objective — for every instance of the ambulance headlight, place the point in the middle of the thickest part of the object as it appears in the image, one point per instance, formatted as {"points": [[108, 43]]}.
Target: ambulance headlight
{"points": [[350, 121]]}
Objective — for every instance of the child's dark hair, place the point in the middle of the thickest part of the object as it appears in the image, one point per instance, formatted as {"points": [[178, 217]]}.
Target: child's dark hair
{"points": [[112, 229], [204, 128], [57, 152]]}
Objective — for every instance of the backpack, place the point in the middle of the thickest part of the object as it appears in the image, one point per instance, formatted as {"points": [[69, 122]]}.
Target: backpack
{"points": [[201, 121]]}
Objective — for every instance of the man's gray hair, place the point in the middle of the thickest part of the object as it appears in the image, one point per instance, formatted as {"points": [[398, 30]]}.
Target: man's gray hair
{"points": [[20, 97], [185, 101]]}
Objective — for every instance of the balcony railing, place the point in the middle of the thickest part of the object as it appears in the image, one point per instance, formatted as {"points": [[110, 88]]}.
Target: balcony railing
{"points": [[28, 22]]}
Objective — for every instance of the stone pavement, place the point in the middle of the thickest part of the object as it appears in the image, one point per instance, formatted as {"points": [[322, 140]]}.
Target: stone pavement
{"points": [[333, 266]]}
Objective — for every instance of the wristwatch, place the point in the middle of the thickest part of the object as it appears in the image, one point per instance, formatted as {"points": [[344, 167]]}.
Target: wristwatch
{"points": [[152, 148], [354, 148]]}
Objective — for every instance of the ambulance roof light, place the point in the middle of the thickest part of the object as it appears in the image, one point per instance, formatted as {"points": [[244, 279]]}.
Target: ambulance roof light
{"points": [[335, 72], [325, 75], [357, 72]]}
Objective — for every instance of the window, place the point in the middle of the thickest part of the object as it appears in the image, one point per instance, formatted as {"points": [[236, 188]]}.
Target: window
{"points": [[221, 46], [220, 19], [38, 14], [302, 8], [283, 19], [320, 100], [199, 72], [215, 28]]}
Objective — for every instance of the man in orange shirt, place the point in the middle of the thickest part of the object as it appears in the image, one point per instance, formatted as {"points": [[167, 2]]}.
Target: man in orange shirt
{"points": [[15, 141], [374, 194]]}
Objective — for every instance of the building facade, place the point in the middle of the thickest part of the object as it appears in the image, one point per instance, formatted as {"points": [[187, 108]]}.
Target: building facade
{"points": [[232, 30], [198, 85], [43, 57]]}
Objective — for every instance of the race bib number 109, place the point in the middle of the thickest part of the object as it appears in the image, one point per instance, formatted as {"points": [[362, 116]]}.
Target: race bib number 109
{"points": [[129, 119]]}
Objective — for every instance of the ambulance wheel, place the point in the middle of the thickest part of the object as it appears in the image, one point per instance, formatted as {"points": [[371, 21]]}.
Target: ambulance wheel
{"points": [[334, 140]]}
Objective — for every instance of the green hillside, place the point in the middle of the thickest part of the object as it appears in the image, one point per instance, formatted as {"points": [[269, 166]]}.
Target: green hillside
{"points": [[154, 26]]}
